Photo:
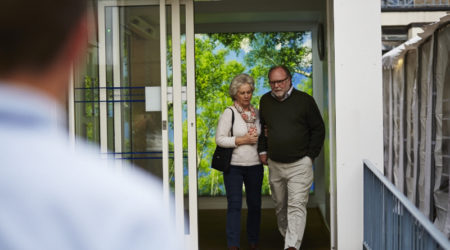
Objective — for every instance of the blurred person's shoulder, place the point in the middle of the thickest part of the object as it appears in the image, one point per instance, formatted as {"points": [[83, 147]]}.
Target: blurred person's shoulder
{"points": [[61, 191], [57, 196]]}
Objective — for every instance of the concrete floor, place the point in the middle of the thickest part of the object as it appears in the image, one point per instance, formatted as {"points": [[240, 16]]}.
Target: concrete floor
{"points": [[212, 231]]}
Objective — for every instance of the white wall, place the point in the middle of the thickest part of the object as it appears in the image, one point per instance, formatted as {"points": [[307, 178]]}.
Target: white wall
{"points": [[358, 110]]}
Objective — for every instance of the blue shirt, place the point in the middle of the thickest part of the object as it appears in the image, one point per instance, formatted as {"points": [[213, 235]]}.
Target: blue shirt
{"points": [[53, 197]]}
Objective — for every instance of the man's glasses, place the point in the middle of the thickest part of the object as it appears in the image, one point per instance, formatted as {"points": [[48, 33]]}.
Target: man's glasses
{"points": [[278, 81]]}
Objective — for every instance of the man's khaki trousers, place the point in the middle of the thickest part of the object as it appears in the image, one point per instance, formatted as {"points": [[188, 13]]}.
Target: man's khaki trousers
{"points": [[290, 184]]}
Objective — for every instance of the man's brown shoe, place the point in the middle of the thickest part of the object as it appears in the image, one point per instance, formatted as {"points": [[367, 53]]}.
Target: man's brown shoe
{"points": [[233, 248]]}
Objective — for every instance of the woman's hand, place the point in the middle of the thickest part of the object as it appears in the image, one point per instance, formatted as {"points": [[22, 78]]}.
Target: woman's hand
{"points": [[246, 139]]}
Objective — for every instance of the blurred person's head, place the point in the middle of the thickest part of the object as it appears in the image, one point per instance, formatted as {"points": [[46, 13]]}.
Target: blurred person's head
{"points": [[40, 40]]}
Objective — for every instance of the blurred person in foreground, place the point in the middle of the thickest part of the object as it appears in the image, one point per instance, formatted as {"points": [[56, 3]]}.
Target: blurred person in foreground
{"points": [[51, 196]]}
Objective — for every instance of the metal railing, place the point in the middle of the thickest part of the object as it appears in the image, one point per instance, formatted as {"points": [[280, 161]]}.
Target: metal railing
{"points": [[412, 4], [391, 221]]}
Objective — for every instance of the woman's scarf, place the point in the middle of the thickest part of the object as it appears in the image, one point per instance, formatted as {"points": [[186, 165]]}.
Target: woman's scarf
{"points": [[249, 118]]}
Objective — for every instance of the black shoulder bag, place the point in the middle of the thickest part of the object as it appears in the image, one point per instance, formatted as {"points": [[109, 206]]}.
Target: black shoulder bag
{"points": [[222, 156]]}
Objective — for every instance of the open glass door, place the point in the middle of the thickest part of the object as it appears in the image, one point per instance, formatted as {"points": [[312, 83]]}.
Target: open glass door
{"points": [[137, 103]]}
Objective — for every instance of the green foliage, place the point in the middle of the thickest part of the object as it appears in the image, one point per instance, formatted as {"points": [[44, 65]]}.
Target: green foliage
{"points": [[268, 49], [305, 86], [90, 108], [213, 76]]}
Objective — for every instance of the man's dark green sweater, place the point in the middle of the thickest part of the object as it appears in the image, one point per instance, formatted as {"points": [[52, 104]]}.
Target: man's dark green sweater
{"points": [[294, 127]]}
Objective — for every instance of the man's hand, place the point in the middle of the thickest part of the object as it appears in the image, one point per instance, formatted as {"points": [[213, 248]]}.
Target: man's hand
{"points": [[263, 158]]}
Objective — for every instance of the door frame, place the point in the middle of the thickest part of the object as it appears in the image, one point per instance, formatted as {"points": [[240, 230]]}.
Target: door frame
{"points": [[182, 222]]}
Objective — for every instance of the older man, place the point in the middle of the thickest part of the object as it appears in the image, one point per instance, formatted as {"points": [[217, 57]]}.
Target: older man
{"points": [[294, 136]]}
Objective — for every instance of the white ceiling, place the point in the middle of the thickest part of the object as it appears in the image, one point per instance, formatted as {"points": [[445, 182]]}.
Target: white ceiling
{"points": [[256, 15]]}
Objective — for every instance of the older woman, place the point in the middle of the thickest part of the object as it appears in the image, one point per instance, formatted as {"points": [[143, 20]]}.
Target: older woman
{"points": [[246, 167]]}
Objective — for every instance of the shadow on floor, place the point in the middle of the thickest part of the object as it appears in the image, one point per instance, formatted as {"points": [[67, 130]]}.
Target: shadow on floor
{"points": [[212, 231]]}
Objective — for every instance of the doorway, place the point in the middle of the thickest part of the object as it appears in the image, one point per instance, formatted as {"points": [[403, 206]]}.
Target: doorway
{"points": [[236, 18], [142, 55]]}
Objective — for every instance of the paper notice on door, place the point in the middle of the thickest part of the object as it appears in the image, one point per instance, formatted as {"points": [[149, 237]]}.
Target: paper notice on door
{"points": [[152, 99]]}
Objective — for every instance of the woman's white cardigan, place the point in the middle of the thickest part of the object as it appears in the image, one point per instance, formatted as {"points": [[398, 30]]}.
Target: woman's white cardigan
{"points": [[243, 155]]}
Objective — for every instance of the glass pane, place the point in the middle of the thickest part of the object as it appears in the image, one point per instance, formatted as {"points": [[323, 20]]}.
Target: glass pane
{"points": [[184, 117], [139, 67], [86, 98], [109, 32], [86, 94]]}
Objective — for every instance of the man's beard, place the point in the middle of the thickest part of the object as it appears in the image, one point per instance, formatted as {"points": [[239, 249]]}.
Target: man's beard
{"points": [[279, 93]]}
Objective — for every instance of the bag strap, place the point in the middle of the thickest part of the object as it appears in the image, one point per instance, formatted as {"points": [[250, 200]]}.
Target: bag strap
{"points": [[232, 120]]}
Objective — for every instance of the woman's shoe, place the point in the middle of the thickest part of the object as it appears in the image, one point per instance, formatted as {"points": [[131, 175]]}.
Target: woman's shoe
{"points": [[254, 247], [233, 248]]}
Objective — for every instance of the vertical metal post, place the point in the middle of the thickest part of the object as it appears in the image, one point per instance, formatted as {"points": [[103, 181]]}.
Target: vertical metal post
{"points": [[177, 116], [192, 133], [102, 79], [117, 84], [164, 111]]}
